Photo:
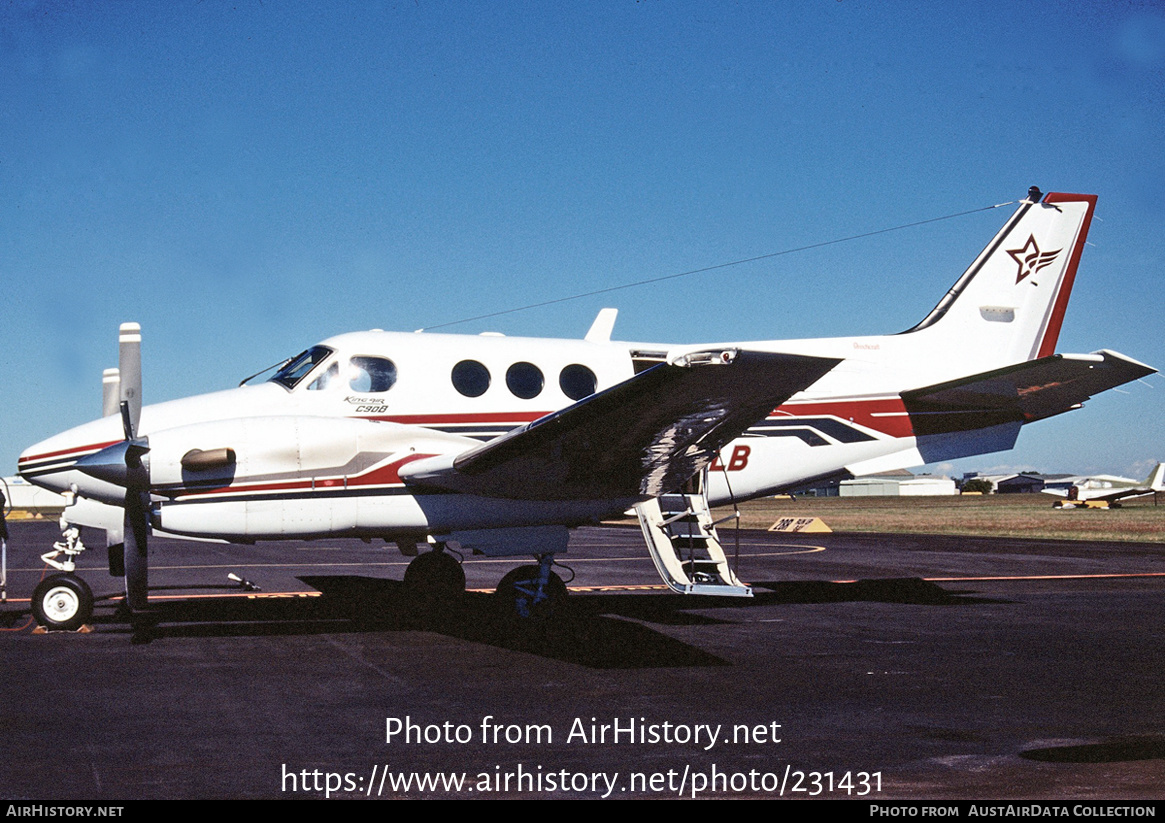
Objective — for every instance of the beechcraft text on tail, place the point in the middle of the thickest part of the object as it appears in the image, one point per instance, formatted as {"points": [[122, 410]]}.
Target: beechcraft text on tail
{"points": [[500, 445]]}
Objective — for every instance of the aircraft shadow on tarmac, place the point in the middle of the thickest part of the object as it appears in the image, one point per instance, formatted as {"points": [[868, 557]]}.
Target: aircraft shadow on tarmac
{"points": [[352, 604], [1113, 751], [597, 630], [905, 590]]}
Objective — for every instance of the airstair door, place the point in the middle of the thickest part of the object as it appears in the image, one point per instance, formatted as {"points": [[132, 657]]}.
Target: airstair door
{"points": [[683, 543]]}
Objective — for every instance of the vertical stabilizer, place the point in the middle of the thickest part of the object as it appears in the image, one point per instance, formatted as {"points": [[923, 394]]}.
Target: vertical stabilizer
{"points": [[1009, 305]]}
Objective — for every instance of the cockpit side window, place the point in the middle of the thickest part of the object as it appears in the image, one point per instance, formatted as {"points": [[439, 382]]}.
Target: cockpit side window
{"points": [[325, 379], [300, 366], [371, 374]]}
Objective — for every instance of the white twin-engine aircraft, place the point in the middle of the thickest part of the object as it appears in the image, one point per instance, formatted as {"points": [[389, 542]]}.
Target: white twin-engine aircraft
{"points": [[500, 445]]}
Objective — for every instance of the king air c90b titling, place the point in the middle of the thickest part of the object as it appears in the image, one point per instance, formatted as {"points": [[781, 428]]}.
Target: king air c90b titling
{"points": [[502, 444]]}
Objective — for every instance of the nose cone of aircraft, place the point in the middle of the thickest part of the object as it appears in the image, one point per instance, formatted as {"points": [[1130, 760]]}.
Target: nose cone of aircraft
{"points": [[28, 463], [72, 457], [45, 466], [51, 463]]}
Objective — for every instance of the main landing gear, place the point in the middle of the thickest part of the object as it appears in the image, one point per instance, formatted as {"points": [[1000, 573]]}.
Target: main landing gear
{"points": [[532, 591], [63, 602], [435, 576]]}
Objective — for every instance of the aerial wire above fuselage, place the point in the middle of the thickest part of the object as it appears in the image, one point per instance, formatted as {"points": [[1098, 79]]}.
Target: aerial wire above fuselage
{"points": [[715, 267]]}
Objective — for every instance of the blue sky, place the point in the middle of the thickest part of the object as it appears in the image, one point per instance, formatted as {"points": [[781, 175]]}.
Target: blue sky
{"points": [[247, 178]]}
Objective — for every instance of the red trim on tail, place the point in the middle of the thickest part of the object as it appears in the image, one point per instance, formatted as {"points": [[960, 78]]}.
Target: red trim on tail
{"points": [[1052, 333]]}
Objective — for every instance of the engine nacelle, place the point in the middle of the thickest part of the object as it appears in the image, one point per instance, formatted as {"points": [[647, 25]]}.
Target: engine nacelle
{"points": [[271, 477]]}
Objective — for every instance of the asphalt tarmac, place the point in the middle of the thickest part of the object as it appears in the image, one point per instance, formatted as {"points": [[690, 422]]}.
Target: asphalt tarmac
{"points": [[880, 667]]}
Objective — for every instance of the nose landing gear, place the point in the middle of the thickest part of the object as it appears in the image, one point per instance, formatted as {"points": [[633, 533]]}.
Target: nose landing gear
{"points": [[62, 602]]}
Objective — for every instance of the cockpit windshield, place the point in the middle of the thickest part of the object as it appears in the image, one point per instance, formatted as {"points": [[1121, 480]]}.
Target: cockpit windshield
{"points": [[300, 366]]}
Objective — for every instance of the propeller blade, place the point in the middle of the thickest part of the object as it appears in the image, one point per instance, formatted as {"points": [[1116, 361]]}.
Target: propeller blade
{"points": [[136, 530], [115, 546], [136, 524], [129, 364], [110, 392]]}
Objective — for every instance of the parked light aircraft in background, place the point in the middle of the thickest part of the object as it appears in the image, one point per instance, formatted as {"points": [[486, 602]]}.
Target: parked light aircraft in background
{"points": [[500, 445], [1108, 490]]}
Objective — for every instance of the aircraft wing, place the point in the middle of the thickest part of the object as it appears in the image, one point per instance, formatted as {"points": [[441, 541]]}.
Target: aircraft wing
{"points": [[1023, 393], [1106, 495], [638, 439]]}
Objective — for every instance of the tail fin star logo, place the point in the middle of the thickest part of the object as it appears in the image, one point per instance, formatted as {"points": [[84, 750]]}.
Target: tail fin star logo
{"points": [[1030, 258]]}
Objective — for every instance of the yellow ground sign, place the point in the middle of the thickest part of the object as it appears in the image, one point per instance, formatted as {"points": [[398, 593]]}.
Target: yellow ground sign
{"points": [[800, 524]]}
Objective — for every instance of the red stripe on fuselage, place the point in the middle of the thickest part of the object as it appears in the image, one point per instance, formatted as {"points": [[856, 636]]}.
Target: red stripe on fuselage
{"points": [[76, 449], [384, 476], [516, 418], [856, 411], [886, 415]]}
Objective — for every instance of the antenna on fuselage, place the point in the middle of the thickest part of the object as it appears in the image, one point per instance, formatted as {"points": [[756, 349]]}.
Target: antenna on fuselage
{"points": [[600, 331]]}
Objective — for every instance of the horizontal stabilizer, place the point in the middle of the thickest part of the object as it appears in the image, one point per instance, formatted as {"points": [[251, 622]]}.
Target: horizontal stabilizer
{"points": [[1022, 393], [638, 439]]}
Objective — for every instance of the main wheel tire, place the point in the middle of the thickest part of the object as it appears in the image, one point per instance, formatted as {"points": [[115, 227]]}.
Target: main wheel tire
{"points": [[517, 594], [435, 576], [63, 602]]}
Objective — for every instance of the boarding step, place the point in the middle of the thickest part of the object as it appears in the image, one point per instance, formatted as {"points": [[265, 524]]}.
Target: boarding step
{"points": [[683, 543]]}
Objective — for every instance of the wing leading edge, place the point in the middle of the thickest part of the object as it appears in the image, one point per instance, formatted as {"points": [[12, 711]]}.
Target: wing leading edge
{"points": [[641, 438]]}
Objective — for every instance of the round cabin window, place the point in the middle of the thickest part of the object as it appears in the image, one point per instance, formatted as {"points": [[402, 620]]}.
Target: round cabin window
{"points": [[525, 380], [470, 378], [577, 381]]}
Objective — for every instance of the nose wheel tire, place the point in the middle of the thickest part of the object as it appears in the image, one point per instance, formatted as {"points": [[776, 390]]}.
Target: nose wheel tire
{"points": [[62, 602]]}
